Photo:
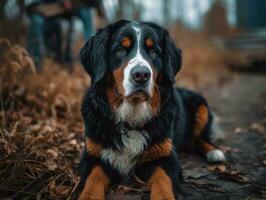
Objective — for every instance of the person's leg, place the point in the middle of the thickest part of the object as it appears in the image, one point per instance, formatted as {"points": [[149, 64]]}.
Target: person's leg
{"points": [[59, 41], [56, 30], [35, 39], [84, 13], [69, 43]]}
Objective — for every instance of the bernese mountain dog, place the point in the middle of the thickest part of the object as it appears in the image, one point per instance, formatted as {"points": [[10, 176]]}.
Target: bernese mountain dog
{"points": [[136, 120]]}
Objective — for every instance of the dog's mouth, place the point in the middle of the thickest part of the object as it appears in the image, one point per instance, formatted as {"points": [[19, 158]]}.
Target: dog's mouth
{"points": [[138, 95]]}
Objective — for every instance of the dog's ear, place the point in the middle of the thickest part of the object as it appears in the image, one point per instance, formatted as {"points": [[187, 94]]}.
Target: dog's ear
{"points": [[93, 55], [172, 57]]}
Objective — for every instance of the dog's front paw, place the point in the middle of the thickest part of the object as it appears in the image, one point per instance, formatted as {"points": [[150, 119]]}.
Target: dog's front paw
{"points": [[161, 185], [95, 185], [89, 196], [215, 155], [160, 196]]}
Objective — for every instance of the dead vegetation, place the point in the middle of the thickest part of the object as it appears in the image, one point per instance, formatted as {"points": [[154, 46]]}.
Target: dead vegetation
{"points": [[41, 127], [42, 136]]}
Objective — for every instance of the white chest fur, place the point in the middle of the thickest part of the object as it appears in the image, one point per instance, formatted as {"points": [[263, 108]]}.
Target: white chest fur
{"points": [[135, 115], [124, 160]]}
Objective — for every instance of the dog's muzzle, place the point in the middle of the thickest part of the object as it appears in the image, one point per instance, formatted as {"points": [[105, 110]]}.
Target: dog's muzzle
{"points": [[140, 75], [138, 79]]}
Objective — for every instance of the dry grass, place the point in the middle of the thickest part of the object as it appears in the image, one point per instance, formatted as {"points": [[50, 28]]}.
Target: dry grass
{"points": [[43, 133], [41, 129]]}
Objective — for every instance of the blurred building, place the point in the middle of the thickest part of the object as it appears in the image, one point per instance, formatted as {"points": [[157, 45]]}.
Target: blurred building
{"points": [[251, 14]]}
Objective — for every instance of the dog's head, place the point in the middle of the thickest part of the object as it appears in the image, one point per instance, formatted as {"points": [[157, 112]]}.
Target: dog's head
{"points": [[134, 59]]}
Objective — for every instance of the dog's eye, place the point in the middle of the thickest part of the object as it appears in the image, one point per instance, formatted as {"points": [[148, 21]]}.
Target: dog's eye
{"points": [[121, 51]]}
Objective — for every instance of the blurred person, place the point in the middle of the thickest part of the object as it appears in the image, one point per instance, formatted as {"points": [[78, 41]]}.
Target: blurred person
{"points": [[84, 14], [45, 30], [35, 37], [44, 33]]}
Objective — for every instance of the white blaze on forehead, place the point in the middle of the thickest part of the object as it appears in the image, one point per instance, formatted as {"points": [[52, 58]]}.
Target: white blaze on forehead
{"points": [[136, 60]]}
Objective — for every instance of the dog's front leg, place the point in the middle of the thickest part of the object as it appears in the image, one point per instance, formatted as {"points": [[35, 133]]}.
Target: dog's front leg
{"points": [[95, 186], [161, 185]]}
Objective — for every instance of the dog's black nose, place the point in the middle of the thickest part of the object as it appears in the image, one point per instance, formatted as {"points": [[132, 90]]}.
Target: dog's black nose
{"points": [[140, 74]]}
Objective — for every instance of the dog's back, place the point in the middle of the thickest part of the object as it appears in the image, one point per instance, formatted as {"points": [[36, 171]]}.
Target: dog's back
{"points": [[193, 111]]}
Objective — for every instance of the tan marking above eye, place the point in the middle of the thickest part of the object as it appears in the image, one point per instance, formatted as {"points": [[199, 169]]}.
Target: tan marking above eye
{"points": [[126, 42], [149, 43]]}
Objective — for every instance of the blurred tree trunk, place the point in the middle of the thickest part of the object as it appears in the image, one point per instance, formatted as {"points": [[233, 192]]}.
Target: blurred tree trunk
{"points": [[120, 14], [166, 12], [128, 10], [16, 33], [2, 5], [215, 20], [196, 8], [137, 10], [180, 9], [21, 4]]}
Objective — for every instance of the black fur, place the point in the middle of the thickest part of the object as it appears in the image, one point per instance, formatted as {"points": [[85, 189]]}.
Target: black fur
{"points": [[94, 54], [175, 119]]}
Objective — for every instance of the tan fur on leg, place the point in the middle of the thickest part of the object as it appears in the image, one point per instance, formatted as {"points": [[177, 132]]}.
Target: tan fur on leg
{"points": [[161, 185], [95, 185]]}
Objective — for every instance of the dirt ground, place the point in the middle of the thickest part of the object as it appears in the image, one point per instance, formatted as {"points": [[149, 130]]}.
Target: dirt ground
{"points": [[241, 109]]}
